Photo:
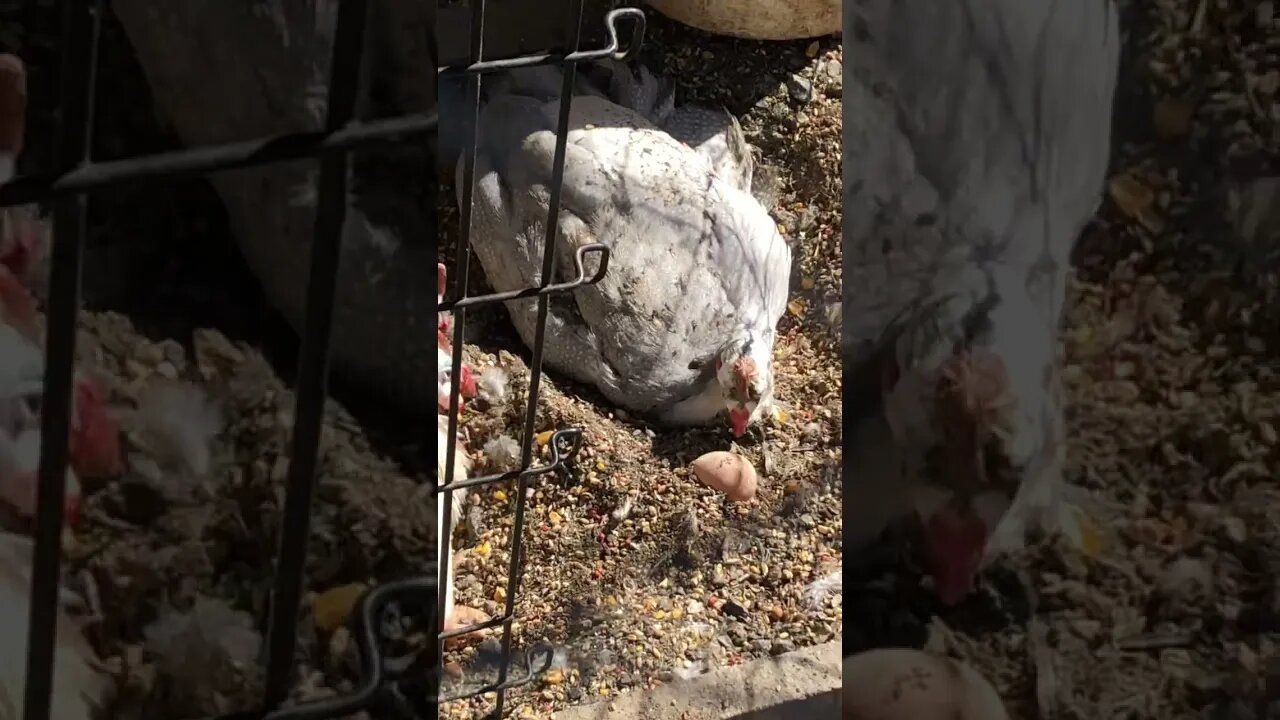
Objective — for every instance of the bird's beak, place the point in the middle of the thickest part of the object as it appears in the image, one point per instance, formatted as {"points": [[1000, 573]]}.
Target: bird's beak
{"points": [[739, 418]]}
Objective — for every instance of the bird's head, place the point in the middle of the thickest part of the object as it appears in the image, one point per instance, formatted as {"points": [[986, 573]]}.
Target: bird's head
{"points": [[444, 380], [966, 390], [743, 369]]}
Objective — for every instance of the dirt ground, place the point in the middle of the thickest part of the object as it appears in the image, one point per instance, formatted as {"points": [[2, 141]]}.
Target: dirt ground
{"points": [[1170, 366], [1174, 398], [635, 572]]}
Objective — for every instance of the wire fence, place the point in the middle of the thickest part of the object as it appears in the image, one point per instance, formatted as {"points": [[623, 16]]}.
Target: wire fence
{"points": [[566, 442], [404, 686]]}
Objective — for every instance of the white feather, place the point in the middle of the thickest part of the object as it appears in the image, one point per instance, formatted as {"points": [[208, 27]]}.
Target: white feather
{"points": [[817, 593], [179, 423], [492, 385]]}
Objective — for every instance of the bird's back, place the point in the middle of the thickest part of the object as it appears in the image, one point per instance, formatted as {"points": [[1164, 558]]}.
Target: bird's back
{"points": [[973, 130], [692, 255]]}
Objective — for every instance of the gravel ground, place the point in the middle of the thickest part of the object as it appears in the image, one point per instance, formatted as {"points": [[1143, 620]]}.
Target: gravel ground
{"points": [[1170, 365], [1171, 376], [635, 571]]}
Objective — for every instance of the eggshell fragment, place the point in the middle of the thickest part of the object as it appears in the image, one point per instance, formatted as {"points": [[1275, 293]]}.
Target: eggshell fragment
{"points": [[731, 474], [905, 684]]}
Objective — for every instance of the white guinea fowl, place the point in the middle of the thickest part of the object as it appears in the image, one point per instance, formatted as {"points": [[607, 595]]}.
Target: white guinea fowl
{"points": [[682, 326], [80, 690], [976, 141]]}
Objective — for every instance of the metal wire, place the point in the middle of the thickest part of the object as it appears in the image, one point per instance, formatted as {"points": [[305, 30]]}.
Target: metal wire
{"points": [[477, 67], [313, 363], [81, 26], [405, 686]]}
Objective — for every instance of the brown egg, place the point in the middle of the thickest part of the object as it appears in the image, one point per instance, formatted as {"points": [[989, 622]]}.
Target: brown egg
{"points": [[905, 684], [731, 474]]}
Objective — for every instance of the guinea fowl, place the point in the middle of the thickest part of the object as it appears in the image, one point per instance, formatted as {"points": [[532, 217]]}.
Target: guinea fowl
{"points": [[682, 326], [976, 142]]}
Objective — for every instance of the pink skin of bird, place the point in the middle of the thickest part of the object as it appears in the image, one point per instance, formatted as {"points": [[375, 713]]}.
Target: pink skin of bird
{"points": [[954, 544], [956, 539], [466, 390], [743, 372]]}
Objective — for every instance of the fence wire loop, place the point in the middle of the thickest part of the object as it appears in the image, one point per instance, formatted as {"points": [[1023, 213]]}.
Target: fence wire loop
{"points": [[580, 279], [565, 443]]}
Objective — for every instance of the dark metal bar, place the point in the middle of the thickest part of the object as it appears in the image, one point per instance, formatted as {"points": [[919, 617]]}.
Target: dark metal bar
{"points": [[516, 564], [313, 364], [469, 149], [216, 158], [81, 24]]}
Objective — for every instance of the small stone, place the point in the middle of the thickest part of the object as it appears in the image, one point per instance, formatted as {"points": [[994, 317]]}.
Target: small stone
{"points": [[800, 89]]}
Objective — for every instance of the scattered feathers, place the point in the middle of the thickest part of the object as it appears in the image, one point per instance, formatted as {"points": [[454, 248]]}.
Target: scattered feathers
{"points": [[178, 423], [502, 453]]}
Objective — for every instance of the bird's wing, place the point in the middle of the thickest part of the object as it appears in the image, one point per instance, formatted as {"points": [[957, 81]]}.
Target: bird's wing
{"points": [[694, 256], [973, 129], [690, 253], [509, 212]]}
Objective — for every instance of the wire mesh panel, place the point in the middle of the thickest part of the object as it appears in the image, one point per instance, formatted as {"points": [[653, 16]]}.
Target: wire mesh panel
{"points": [[403, 685], [565, 443], [66, 186]]}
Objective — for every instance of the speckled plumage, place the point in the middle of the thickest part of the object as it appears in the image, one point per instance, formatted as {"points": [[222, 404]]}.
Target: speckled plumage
{"points": [[976, 141], [697, 262]]}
